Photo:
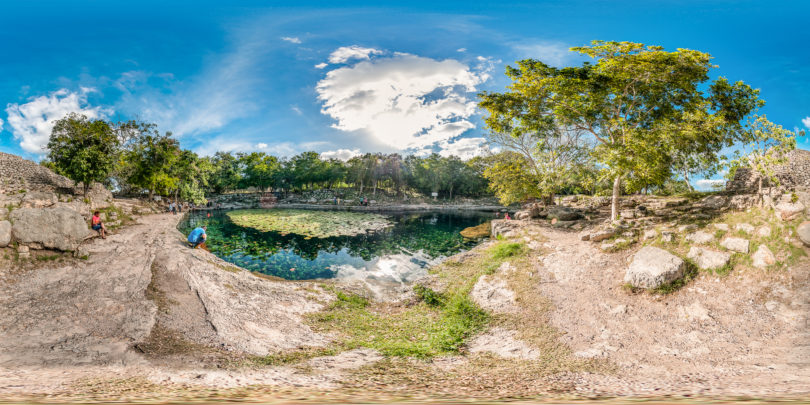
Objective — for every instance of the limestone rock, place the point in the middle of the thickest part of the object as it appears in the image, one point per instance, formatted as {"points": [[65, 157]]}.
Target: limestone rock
{"points": [[700, 237], [687, 228], [649, 234], [803, 232], [788, 211], [747, 228], [763, 257], [764, 231], [564, 213], [599, 236], [667, 236], [652, 267], [714, 202], [54, 228], [5, 233], [708, 259], [38, 199], [609, 246], [503, 227], [735, 244], [721, 227]]}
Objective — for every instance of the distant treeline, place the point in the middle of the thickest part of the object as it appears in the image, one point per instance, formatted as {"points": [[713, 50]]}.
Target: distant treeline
{"points": [[133, 158]]}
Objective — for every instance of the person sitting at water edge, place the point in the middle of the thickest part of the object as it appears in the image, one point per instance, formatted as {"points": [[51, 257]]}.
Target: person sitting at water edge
{"points": [[197, 237], [98, 226]]}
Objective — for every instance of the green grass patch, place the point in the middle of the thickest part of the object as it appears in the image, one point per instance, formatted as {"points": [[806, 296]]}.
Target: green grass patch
{"points": [[314, 224], [506, 250], [438, 323]]}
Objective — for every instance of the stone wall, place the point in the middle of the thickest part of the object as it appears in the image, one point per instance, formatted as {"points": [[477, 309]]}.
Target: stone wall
{"points": [[20, 175], [795, 174]]}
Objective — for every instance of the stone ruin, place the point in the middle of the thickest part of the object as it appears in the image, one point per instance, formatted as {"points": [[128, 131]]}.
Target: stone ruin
{"points": [[793, 175], [18, 175]]}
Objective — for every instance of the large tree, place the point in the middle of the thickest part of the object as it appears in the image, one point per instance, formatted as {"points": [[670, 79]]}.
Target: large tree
{"points": [[82, 149], [641, 105]]}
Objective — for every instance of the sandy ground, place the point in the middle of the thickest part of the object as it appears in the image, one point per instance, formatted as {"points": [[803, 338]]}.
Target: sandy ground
{"points": [[64, 325], [744, 334]]}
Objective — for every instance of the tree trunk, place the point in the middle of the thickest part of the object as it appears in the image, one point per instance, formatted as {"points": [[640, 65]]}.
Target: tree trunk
{"points": [[759, 191], [686, 179], [614, 205]]}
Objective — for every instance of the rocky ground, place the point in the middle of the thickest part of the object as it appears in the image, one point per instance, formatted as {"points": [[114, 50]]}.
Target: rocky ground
{"points": [[146, 317]]}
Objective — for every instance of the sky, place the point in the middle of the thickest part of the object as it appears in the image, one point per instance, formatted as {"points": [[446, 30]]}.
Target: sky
{"points": [[343, 78]]}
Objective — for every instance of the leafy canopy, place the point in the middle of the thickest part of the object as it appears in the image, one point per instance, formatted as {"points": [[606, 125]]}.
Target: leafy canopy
{"points": [[83, 150]]}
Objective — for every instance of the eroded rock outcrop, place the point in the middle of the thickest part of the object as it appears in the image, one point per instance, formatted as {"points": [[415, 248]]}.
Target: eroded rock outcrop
{"points": [[54, 227]]}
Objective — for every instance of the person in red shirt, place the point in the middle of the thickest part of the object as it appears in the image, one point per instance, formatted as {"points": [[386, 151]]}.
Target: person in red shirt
{"points": [[98, 226]]}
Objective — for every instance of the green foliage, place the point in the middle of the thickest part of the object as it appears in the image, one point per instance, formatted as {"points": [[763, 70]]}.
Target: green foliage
{"points": [[428, 296], [643, 107], [764, 145], [505, 250], [316, 224], [82, 150]]}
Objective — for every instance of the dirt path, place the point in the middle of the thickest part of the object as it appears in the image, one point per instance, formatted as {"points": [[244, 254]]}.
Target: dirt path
{"points": [[95, 317], [743, 334]]}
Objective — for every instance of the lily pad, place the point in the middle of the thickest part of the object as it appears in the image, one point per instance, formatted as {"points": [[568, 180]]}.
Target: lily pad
{"points": [[312, 224]]}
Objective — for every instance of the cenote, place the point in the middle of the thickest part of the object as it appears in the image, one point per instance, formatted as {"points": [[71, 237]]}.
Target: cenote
{"points": [[399, 253]]}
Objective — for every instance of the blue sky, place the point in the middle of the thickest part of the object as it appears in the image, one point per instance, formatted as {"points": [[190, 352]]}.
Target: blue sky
{"points": [[350, 77]]}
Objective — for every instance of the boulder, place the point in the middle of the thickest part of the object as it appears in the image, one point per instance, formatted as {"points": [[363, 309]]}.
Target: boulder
{"points": [[747, 228], [38, 199], [563, 213], [789, 211], [649, 234], [503, 227], [599, 236], [735, 244], [763, 257], [803, 232], [54, 228], [5, 233], [652, 267], [764, 231], [708, 259], [522, 215], [713, 202], [687, 228], [700, 237]]}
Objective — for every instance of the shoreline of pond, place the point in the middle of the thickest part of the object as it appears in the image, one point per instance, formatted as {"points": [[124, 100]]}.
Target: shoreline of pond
{"points": [[393, 208]]}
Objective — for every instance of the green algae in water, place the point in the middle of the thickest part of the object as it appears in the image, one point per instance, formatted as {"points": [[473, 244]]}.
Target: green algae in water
{"points": [[412, 241], [313, 224]]}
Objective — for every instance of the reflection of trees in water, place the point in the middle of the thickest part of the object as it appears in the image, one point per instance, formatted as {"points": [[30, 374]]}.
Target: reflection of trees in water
{"points": [[273, 253]]}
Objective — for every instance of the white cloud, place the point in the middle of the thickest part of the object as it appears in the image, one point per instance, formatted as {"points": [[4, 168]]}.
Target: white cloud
{"points": [[806, 122], [228, 144], [347, 53], [297, 110], [551, 53], [341, 154], [1, 124], [403, 101], [321, 65], [294, 40], [709, 184], [33, 121], [464, 148], [461, 50]]}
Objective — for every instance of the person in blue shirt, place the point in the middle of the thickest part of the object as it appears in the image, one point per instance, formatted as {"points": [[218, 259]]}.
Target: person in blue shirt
{"points": [[197, 237]]}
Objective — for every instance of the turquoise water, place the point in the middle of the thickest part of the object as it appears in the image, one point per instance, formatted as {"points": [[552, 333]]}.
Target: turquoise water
{"points": [[399, 254]]}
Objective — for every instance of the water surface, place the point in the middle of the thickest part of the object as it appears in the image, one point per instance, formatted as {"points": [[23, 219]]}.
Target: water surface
{"points": [[398, 254]]}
